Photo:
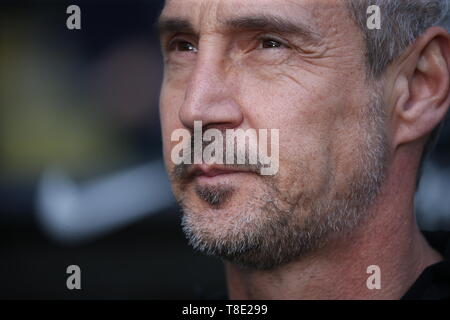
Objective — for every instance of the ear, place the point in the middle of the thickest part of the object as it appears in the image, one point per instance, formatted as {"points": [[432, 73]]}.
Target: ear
{"points": [[422, 87]]}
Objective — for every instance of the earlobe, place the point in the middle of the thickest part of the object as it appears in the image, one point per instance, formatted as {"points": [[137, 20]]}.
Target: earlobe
{"points": [[419, 110]]}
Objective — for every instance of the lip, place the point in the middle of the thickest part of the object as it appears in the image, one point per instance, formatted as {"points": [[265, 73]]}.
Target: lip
{"points": [[213, 171]]}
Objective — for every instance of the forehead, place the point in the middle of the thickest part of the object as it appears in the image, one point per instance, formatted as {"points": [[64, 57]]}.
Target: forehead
{"points": [[319, 15]]}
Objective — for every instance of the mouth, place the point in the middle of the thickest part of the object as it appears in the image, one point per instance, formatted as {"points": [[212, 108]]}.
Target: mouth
{"points": [[204, 171]]}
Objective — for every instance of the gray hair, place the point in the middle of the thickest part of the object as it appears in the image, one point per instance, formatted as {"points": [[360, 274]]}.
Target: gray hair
{"points": [[402, 22]]}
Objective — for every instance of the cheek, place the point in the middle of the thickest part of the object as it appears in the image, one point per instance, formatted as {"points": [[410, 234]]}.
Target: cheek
{"points": [[306, 114], [301, 109], [169, 104]]}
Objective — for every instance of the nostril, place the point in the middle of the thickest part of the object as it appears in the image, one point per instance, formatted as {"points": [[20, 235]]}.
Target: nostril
{"points": [[211, 100]]}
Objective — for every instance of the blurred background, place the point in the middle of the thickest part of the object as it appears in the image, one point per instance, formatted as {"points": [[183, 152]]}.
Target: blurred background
{"points": [[81, 174]]}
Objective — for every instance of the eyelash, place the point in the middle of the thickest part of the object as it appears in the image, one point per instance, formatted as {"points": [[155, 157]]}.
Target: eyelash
{"points": [[261, 40], [176, 41], [282, 44]]}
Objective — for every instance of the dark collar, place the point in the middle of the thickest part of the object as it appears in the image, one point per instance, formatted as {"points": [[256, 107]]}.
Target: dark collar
{"points": [[434, 282]]}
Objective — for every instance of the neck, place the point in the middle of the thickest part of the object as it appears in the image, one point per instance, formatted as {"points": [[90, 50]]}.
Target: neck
{"points": [[389, 238]]}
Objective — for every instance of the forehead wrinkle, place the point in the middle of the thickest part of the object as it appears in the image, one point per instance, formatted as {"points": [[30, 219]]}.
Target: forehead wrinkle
{"points": [[220, 16], [244, 23], [273, 23], [194, 20]]}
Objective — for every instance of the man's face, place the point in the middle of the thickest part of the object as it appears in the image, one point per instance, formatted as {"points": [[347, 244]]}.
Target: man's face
{"points": [[292, 65]]}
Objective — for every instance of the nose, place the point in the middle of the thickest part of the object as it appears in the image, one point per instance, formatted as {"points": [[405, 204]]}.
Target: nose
{"points": [[210, 96]]}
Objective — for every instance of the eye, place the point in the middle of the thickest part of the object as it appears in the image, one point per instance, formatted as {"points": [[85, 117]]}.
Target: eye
{"points": [[270, 43], [181, 45]]}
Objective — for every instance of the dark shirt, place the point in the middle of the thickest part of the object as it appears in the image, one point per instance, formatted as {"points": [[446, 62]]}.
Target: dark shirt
{"points": [[434, 282]]}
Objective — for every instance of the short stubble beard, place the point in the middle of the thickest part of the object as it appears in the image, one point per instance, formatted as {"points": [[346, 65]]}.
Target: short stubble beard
{"points": [[273, 230]]}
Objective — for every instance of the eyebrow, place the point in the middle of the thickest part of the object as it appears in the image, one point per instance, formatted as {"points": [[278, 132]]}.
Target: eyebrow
{"points": [[274, 24], [174, 25], [267, 23]]}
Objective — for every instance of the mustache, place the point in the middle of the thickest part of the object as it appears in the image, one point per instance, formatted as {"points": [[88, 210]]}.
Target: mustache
{"points": [[183, 171]]}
